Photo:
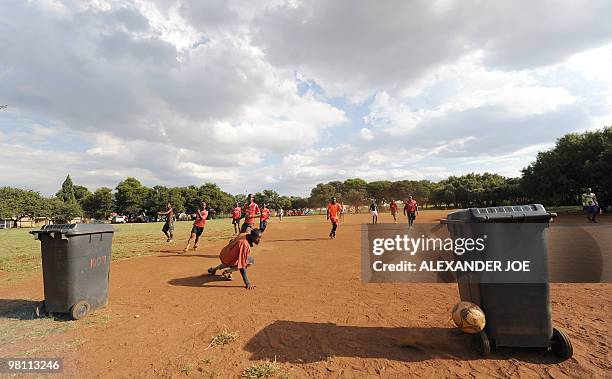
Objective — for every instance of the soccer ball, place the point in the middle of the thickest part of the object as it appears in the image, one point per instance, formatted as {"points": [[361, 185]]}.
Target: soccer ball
{"points": [[227, 274], [468, 317]]}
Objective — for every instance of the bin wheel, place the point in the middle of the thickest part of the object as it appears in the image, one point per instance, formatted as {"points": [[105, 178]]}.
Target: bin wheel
{"points": [[79, 310], [561, 345], [482, 344]]}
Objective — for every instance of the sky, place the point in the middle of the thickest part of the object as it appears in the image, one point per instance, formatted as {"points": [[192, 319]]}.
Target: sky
{"points": [[283, 95]]}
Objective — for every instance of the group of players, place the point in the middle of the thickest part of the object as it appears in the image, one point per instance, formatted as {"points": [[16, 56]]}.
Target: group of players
{"points": [[236, 255]]}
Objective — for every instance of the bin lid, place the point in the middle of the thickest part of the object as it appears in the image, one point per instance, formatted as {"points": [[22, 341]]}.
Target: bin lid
{"points": [[510, 213], [75, 229]]}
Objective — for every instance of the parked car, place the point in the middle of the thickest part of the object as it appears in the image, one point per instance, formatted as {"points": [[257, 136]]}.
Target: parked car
{"points": [[119, 220]]}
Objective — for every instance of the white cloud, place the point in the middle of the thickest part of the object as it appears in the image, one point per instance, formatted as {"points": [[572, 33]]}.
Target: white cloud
{"points": [[181, 92]]}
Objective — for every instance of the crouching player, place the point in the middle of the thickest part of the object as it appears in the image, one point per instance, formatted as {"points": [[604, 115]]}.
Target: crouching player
{"points": [[236, 255]]}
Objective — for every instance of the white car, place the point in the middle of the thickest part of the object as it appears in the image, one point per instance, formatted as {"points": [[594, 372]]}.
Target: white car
{"points": [[119, 220]]}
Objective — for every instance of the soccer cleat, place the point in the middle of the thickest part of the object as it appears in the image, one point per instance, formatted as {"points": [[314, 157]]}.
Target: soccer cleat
{"points": [[212, 271]]}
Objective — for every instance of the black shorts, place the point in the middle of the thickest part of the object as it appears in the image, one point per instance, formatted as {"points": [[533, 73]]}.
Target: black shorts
{"points": [[168, 227], [236, 221], [198, 230], [246, 227], [263, 224], [412, 216]]}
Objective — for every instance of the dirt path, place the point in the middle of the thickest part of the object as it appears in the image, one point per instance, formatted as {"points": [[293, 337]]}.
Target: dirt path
{"points": [[310, 312]]}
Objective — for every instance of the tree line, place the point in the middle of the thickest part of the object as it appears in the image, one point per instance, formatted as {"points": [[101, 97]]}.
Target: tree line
{"points": [[557, 177]]}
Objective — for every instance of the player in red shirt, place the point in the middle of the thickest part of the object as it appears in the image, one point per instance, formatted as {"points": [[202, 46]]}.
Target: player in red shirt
{"points": [[333, 211], [251, 212], [236, 216], [236, 255], [265, 216], [198, 226], [393, 207], [411, 209]]}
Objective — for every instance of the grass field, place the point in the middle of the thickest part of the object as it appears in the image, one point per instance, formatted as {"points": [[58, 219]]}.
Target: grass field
{"points": [[20, 252]]}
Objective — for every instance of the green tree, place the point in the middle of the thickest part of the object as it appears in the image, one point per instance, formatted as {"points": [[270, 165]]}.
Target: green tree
{"points": [[283, 202], [240, 198], [215, 198], [577, 161], [63, 212], [65, 207], [66, 193], [99, 205], [16, 204], [80, 193], [191, 198], [298, 202], [130, 197], [379, 190], [355, 192], [321, 195]]}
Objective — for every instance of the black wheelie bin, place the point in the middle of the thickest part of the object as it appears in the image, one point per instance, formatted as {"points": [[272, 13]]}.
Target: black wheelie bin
{"points": [[76, 261], [518, 312]]}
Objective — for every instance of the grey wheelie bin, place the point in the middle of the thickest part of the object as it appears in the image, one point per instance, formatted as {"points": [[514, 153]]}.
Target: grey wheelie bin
{"points": [[518, 312], [76, 261]]}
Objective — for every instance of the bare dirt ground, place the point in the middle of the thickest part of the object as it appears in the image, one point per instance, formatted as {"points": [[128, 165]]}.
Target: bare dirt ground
{"points": [[310, 312]]}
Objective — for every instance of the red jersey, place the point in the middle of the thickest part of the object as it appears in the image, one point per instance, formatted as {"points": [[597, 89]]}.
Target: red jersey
{"points": [[265, 214], [410, 206], [236, 213], [333, 210], [393, 207], [250, 211], [236, 253], [200, 220]]}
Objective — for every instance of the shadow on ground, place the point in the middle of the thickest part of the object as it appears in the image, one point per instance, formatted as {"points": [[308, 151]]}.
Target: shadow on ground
{"points": [[177, 254], [204, 280], [22, 309], [298, 240], [306, 342]]}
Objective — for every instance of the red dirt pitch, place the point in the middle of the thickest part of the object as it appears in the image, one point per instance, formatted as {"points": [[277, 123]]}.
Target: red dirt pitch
{"points": [[310, 312]]}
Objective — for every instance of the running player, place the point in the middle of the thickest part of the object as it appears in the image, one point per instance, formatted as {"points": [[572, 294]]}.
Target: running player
{"points": [[589, 204], [393, 208], [198, 226], [251, 212], [168, 228], [333, 211], [281, 213], [236, 216], [342, 211], [411, 209], [236, 255], [265, 216], [374, 212]]}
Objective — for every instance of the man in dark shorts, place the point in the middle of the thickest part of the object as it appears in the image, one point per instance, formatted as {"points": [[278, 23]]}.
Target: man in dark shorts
{"points": [[168, 228], [265, 216], [374, 212], [236, 255], [236, 216], [251, 212], [589, 204], [333, 212], [411, 209], [198, 226]]}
